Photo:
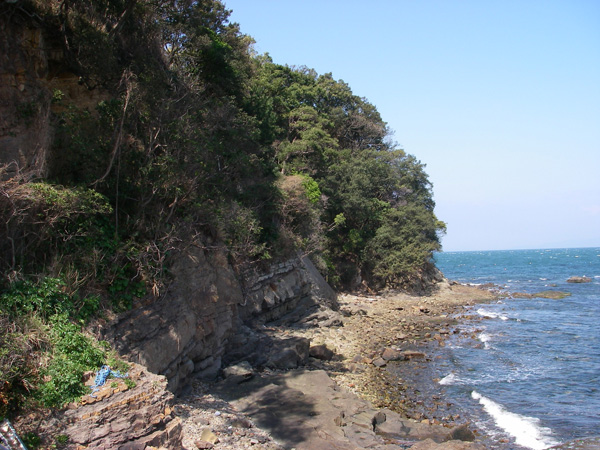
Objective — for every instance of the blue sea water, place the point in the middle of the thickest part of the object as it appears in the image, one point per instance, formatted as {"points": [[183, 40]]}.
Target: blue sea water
{"points": [[527, 371]]}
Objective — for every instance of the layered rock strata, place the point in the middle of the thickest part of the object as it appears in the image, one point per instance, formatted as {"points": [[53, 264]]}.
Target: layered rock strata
{"points": [[209, 316]]}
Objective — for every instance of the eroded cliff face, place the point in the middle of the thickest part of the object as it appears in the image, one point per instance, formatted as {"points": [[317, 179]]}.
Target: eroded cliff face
{"points": [[207, 316], [32, 70]]}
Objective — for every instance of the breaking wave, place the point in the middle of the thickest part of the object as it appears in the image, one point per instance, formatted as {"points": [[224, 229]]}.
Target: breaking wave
{"points": [[526, 431]]}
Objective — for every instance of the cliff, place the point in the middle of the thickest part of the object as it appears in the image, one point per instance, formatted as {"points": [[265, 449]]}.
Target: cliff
{"points": [[208, 316], [32, 67]]}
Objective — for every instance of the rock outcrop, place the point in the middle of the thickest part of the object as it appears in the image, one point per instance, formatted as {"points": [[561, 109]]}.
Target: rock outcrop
{"points": [[306, 409], [209, 317], [136, 413], [579, 280]]}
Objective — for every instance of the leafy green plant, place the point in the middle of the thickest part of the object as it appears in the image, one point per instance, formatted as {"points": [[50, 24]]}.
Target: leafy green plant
{"points": [[61, 440], [42, 352], [124, 289], [73, 354], [57, 96], [44, 298], [31, 440]]}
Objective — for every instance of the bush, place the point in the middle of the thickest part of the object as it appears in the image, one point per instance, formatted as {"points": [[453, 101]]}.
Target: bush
{"points": [[43, 354], [46, 298], [22, 343]]}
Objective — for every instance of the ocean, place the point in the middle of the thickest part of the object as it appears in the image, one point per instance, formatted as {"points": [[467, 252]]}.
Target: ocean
{"points": [[526, 371]]}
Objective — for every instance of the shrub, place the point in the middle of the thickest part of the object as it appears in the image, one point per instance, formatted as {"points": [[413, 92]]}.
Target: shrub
{"points": [[43, 354]]}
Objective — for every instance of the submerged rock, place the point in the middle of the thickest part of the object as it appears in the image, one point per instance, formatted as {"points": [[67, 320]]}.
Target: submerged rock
{"points": [[579, 280], [592, 443], [555, 295]]}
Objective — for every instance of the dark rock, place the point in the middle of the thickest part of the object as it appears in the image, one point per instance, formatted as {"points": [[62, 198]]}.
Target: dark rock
{"points": [[239, 372], [321, 352], [461, 433], [390, 354], [379, 418], [379, 362], [241, 423], [289, 353]]}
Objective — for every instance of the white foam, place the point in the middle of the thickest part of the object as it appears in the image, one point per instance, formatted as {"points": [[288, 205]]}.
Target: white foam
{"points": [[491, 314], [449, 379], [485, 338], [526, 431]]}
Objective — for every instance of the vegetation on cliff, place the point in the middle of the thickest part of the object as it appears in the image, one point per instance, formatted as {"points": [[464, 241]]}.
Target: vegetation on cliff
{"points": [[196, 137]]}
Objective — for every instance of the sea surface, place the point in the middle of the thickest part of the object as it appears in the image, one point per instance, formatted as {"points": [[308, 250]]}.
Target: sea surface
{"points": [[528, 374]]}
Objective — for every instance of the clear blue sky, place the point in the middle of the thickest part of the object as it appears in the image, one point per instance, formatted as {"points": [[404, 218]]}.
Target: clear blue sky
{"points": [[500, 99]]}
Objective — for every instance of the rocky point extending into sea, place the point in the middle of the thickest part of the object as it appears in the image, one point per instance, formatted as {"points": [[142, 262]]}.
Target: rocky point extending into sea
{"points": [[342, 396]]}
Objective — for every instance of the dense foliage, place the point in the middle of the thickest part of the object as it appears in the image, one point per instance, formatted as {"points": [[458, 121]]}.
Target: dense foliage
{"points": [[198, 134], [196, 137], [43, 350]]}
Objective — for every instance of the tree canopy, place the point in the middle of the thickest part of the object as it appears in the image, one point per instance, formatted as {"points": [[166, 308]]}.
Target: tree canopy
{"points": [[197, 135]]}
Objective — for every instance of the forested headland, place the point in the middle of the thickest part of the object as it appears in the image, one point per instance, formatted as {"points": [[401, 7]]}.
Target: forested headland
{"points": [[192, 135]]}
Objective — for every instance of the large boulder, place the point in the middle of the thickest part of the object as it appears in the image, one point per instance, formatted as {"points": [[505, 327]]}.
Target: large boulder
{"points": [[288, 353]]}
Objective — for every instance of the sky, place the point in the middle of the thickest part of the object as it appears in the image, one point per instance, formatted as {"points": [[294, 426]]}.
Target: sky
{"points": [[500, 100]]}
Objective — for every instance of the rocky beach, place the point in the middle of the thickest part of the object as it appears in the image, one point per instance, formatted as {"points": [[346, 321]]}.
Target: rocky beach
{"points": [[349, 377], [343, 396]]}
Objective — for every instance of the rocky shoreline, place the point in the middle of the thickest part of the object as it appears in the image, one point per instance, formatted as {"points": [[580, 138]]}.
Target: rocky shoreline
{"points": [[350, 375], [344, 397]]}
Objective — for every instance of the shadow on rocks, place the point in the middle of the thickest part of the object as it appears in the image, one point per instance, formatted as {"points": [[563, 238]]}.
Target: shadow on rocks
{"points": [[272, 405]]}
